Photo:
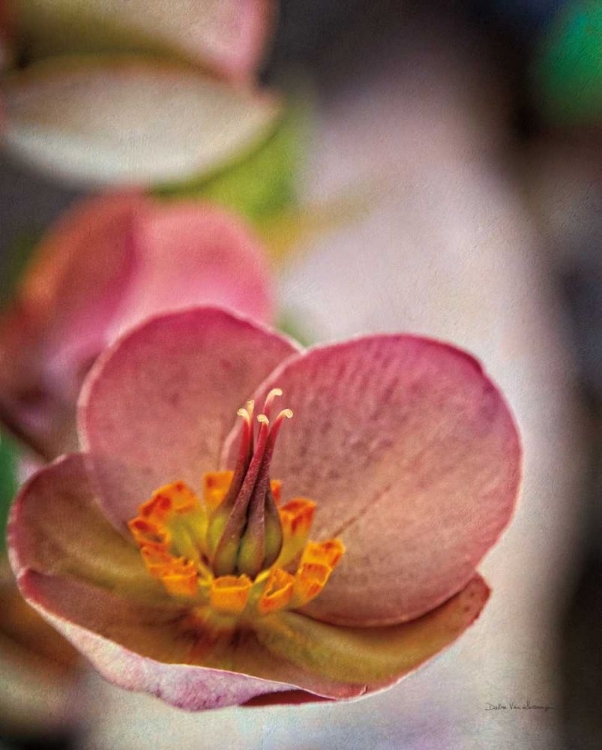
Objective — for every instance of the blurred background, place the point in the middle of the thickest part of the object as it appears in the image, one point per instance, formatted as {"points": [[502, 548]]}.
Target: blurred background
{"points": [[436, 170]]}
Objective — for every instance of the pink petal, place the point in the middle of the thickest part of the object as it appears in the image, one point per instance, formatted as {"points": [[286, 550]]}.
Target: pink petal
{"points": [[57, 527], [106, 265], [148, 649], [68, 299], [371, 658], [158, 404], [190, 253], [79, 281], [414, 460], [64, 603], [145, 648]]}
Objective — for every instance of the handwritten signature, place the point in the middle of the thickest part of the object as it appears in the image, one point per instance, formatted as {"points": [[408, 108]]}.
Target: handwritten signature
{"points": [[512, 706]]}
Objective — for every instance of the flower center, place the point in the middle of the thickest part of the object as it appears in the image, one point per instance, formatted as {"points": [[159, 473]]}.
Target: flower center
{"points": [[237, 550]]}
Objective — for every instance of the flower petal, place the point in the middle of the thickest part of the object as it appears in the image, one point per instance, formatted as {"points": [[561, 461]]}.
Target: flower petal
{"points": [[158, 404], [413, 459], [80, 277], [129, 121], [39, 668], [56, 527], [23, 633], [151, 648], [373, 658], [107, 264], [227, 35], [68, 298], [189, 253]]}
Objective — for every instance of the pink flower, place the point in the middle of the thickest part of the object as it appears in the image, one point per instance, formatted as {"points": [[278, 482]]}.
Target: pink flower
{"points": [[108, 264], [200, 585], [135, 93]]}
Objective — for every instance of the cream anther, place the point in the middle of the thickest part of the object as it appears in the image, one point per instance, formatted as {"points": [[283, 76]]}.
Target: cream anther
{"points": [[269, 400]]}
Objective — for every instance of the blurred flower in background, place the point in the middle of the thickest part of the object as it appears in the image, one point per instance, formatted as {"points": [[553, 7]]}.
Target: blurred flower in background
{"points": [[136, 93], [226, 37], [106, 265]]}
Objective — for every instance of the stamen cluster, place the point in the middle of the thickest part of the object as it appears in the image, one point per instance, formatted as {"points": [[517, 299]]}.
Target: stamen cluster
{"points": [[237, 550]]}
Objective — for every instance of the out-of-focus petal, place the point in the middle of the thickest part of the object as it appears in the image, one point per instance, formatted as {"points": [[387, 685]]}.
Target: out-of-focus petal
{"points": [[158, 404], [189, 252], [57, 527], [107, 264], [38, 667], [413, 459], [156, 650], [80, 278], [69, 297], [123, 120], [227, 35]]}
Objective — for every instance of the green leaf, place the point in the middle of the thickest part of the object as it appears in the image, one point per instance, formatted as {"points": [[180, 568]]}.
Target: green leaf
{"points": [[261, 185], [8, 482], [567, 69]]}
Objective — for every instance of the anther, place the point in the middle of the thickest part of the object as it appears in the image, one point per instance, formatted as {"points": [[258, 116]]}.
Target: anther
{"points": [[269, 400]]}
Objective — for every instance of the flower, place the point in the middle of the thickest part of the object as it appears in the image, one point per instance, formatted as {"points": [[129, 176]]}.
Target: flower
{"points": [[106, 265], [226, 36], [141, 551], [137, 93]]}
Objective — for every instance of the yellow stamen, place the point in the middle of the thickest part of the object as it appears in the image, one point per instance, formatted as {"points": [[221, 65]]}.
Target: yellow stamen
{"points": [[215, 487], [277, 593], [324, 553], [296, 518], [310, 579], [156, 558], [229, 594], [147, 532], [317, 563], [230, 554], [180, 578], [174, 498]]}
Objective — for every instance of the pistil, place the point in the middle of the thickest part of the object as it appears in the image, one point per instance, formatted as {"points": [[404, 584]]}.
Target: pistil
{"points": [[251, 539]]}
